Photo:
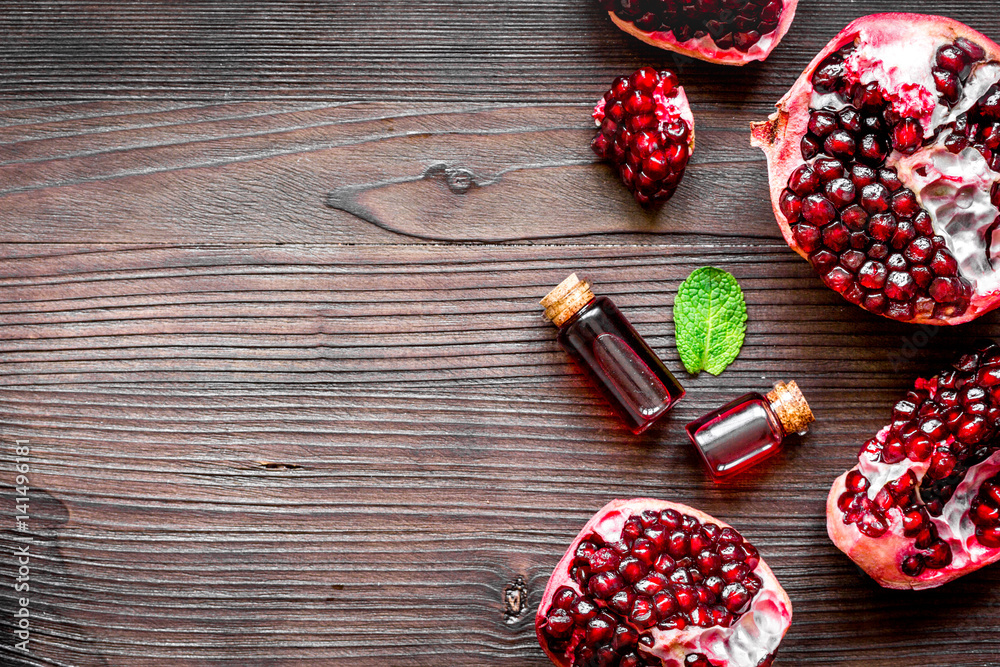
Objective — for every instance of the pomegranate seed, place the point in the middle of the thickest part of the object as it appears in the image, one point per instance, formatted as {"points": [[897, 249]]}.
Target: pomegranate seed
{"points": [[836, 236], [852, 260], [823, 260], [583, 610], [564, 598], [854, 217], [559, 623], [735, 597], [938, 555], [643, 613], [604, 560], [828, 169], [850, 119], [868, 97], [644, 79], [947, 83], [600, 629], [872, 149], [670, 519], [945, 290], [863, 175], [899, 310], [822, 123], [952, 59], [912, 565], [604, 585], [872, 525], [922, 223], [807, 237], [625, 637], [904, 204], [872, 275], [810, 147], [989, 537], [984, 514], [903, 236], [840, 144], [907, 136], [840, 191], [875, 198], [972, 51], [839, 279], [818, 210], [856, 482], [919, 251], [900, 286], [622, 601]]}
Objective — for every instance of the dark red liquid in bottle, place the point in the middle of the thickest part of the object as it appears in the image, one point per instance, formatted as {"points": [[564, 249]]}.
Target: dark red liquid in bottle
{"points": [[635, 381], [737, 435], [749, 429]]}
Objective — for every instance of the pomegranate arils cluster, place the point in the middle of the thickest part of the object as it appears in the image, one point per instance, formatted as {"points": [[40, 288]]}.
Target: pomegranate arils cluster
{"points": [[668, 570], [646, 583], [864, 232], [892, 187], [646, 132], [984, 512], [730, 32], [924, 498], [730, 24]]}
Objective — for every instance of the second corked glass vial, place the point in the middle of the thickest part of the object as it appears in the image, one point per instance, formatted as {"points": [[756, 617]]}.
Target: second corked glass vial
{"points": [[749, 429]]}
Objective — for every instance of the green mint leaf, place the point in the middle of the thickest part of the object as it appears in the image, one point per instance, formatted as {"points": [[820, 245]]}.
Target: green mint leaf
{"points": [[710, 317]]}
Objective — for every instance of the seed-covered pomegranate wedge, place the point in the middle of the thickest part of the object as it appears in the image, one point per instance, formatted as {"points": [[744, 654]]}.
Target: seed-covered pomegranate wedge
{"points": [[648, 582], [730, 32], [884, 162], [646, 131], [922, 507]]}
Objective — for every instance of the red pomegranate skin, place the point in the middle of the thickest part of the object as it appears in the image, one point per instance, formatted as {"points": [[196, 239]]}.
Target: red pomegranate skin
{"points": [[895, 257], [922, 505], [751, 641], [738, 47]]}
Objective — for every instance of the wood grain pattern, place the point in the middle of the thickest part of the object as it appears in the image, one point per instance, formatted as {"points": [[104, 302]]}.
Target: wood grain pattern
{"points": [[353, 173], [270, 452], [461, 50], [269, 275]]}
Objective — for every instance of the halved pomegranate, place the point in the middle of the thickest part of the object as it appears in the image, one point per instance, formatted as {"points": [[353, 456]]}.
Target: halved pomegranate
{"points": [[649, 582], [730, 32], [646, 131], [884, 162], [922, 507]]}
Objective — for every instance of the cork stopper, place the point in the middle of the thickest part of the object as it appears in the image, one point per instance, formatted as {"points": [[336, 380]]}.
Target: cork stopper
{"points": [[791, 407], [567, 299]]}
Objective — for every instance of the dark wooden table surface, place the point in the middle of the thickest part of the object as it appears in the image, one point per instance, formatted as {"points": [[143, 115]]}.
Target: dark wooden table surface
{"points": [[268, 319]]}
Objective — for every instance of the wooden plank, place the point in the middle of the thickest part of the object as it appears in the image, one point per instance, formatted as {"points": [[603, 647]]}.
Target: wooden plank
{"points": [[296, 172], [461, 50], [345, 454]]}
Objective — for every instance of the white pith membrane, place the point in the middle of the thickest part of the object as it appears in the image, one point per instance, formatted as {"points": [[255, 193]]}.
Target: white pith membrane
{"points": [[953, 189], [750, 640]]}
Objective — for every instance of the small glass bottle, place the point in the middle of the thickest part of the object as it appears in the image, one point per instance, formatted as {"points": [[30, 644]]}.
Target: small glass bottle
{"points": [[595, 333], [746, 431]]}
